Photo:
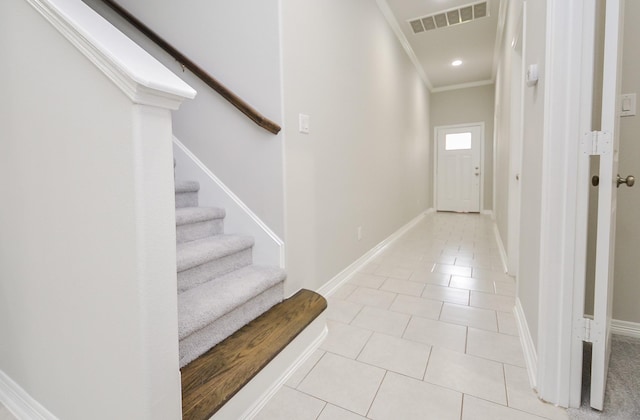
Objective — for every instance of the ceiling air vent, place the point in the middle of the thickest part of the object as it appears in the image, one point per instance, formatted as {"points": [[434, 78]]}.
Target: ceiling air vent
{"points": [[441, 20], [429, 23], [416, 25], [453, 17], [450, 17], [466, 14], [479, 10]]}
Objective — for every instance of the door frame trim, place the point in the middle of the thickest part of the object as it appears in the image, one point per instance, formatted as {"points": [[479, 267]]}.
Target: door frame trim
{"points": [[436, 129], [516, 145], [567, 83]]}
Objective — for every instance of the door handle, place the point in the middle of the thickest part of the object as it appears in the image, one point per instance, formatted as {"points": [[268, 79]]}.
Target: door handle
{"points": [[629, 180], [595, 180]]}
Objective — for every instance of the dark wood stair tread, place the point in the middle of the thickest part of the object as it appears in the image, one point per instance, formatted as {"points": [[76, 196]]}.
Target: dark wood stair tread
{"points": [[212, 379]]}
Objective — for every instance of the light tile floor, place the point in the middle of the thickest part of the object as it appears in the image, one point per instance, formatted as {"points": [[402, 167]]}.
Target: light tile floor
{"points": [[425, 331]]}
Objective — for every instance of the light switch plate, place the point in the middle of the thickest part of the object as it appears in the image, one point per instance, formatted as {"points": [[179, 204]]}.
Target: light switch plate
{"points": [[628, 105], [303, 123]]}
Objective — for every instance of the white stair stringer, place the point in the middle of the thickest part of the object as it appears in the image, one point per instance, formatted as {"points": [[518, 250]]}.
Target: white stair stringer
{"points": [[240, 219]]}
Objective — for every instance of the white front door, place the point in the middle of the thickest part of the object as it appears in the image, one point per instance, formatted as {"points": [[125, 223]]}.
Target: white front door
{"points": [[458, 168], [605, 239]]}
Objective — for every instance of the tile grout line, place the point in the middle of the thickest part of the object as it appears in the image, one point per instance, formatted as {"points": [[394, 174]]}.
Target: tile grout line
{"points": [[426, 366], [506, 391], [376, 394], [362, 349], [307, 374], [463, 393], [323, 408], [404, 330], [537, 416]]}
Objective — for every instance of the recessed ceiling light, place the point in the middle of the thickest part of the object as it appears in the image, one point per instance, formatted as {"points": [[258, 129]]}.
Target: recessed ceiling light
{"points": [[456, 63]]}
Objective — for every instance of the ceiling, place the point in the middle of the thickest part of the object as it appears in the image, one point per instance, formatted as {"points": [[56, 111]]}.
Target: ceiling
{"points": [[473, 42]]}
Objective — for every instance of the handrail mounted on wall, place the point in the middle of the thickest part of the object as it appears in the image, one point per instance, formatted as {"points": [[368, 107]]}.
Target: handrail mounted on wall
{"points": [[234, 99]]}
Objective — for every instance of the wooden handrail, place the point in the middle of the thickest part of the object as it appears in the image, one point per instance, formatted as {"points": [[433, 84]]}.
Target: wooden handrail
{"points": [[234, 99]]}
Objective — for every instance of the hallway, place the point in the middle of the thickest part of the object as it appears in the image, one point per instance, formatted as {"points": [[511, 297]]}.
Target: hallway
{"points": [[426, 330]]}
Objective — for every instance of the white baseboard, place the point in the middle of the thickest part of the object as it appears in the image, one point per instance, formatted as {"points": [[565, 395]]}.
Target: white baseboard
{"points": [[332, 285], [19, 402], [626, 328], [528, 348], [248, 402], [430, 210], [503, 253], [488, 213]]}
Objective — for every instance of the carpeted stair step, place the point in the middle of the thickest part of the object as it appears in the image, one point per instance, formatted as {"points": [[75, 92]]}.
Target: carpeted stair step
{"points": [[187, 193], [194, 223], [206, 259], [215, 377], [214, 310]]}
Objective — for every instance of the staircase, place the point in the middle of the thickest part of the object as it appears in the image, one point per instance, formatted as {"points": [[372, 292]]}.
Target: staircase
{"points": [[219, 288], [233, 321]]}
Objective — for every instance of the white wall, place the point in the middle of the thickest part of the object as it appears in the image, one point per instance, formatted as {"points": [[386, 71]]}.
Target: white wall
{"points": [[627, 262], [503, 116], [88, 311], [533, 124], [463, 106], [366, 161], [238, 43]]}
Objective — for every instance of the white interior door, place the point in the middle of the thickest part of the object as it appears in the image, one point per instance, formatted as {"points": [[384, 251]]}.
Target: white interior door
{"points": [[458, 168], [605, 239]]}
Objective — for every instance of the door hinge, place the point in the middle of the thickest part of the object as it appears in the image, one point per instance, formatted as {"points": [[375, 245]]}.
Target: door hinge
{"points": [[587, 330], [597, 143], [584, 327]]}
